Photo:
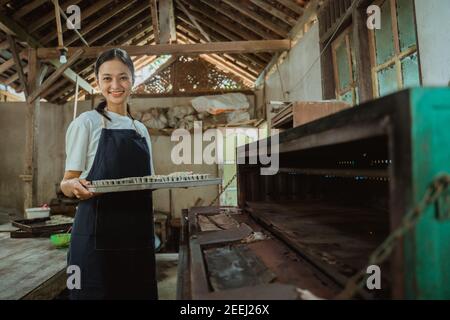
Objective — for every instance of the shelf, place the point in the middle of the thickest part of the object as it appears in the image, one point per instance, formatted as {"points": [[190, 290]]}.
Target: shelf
{"points": [[370, 173]]}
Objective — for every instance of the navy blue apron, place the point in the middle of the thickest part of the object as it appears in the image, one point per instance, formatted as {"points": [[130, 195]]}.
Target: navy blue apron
{"points": [[112, 236]]}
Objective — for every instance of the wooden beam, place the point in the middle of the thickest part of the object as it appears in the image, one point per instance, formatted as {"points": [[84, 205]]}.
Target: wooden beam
{"points": [[55, 75], [220, 25], [167, 22], [240, 59], [161, 68], [118, 34], [193, 20], [222, 63], [109, 30], [48, 17], [326, 62], [339, 23], [180, 49], [308, 14], [87, 12], [155, 23], [24, 36], [18, 63], [254, 59], [192, 94], [6, 29], [205, 14], [57, 86], [58, 23], [29, 176], [362, 55], [10, 63], [262, 75], [14, 77], [242, 8], [274, 12], [140, 41], [28, 8], [142, 63], [221, 9], [292, 5], [144, 40], [97, 22], [16, 30]]}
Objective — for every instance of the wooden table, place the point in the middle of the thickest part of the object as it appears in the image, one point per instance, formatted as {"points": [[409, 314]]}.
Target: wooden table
{"points": [[31, 268]]}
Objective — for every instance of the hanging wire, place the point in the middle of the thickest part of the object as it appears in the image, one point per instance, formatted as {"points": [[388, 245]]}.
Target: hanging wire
{"points": [[352, 6]]}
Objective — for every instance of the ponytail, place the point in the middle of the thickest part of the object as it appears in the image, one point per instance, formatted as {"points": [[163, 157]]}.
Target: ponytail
{"points": [[129, 113], [100, 108]]}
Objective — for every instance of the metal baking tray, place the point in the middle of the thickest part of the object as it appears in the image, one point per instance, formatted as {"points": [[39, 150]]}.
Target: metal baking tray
{"points": [[154, 185]]}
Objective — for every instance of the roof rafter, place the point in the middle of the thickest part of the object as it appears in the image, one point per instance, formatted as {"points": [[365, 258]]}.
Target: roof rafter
{"points": [[242, 8], [155, 22], [225, 29], [274, 11], [221, 9], [87, 12], [220, 62], [167, 32], [24, 36], [246, 57], [292, 5]]}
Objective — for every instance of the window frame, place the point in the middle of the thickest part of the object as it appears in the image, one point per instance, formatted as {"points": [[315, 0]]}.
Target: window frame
{"points": [[398, 54], [347, 36]]}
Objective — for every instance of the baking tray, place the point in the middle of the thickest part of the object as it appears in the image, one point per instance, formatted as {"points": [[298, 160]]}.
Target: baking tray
{"points": [[154, 185], [43, 225]]}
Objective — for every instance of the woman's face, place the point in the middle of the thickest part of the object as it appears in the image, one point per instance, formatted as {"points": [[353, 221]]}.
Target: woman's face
{"points": [[115, 82]]}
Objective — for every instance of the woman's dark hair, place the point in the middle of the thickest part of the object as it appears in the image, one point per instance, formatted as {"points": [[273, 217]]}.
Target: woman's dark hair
{"points": [[113, 54]]}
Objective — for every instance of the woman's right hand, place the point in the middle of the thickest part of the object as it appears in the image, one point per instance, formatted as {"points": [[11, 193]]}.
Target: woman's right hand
{"points": [[80, 190], [73, 186]]}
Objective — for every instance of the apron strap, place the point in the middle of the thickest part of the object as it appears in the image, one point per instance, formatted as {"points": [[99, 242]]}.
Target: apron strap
{"points": [[103, 122], [132, 120]]}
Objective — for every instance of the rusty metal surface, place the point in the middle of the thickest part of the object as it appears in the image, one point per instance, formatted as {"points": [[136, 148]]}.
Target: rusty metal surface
{"points": [[183, 272], [224, 236], [199, 281], [342, 236], [336, 240], [288, 267], [272, 291], [221, 221], [235, 266]]}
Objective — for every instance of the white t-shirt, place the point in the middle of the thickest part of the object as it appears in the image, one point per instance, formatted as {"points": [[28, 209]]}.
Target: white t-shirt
{"points": [[83, 135]]}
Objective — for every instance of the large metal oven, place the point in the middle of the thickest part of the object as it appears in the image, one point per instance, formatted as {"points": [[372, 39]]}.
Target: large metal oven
{"points": [[345, 184]]}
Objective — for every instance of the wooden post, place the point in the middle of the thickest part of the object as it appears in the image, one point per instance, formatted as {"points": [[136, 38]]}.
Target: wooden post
{"points": [[167, 32], [18, 63], [30, 170], [362, 55], [155, 23], [328, 85], [58, 23]]}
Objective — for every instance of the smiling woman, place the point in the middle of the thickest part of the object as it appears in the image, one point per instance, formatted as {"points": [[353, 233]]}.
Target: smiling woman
{"points": [[112, 239]]}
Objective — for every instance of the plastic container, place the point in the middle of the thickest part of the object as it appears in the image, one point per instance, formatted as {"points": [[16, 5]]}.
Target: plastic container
{"points": [[60, 240], [41, 212]]}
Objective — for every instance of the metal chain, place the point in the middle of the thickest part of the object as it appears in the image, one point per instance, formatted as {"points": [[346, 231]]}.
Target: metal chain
{"points": [[382, 252], [225, 188]]}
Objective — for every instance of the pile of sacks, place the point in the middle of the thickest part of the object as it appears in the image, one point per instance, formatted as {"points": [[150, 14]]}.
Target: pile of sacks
{"points": [[211, 110]]}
